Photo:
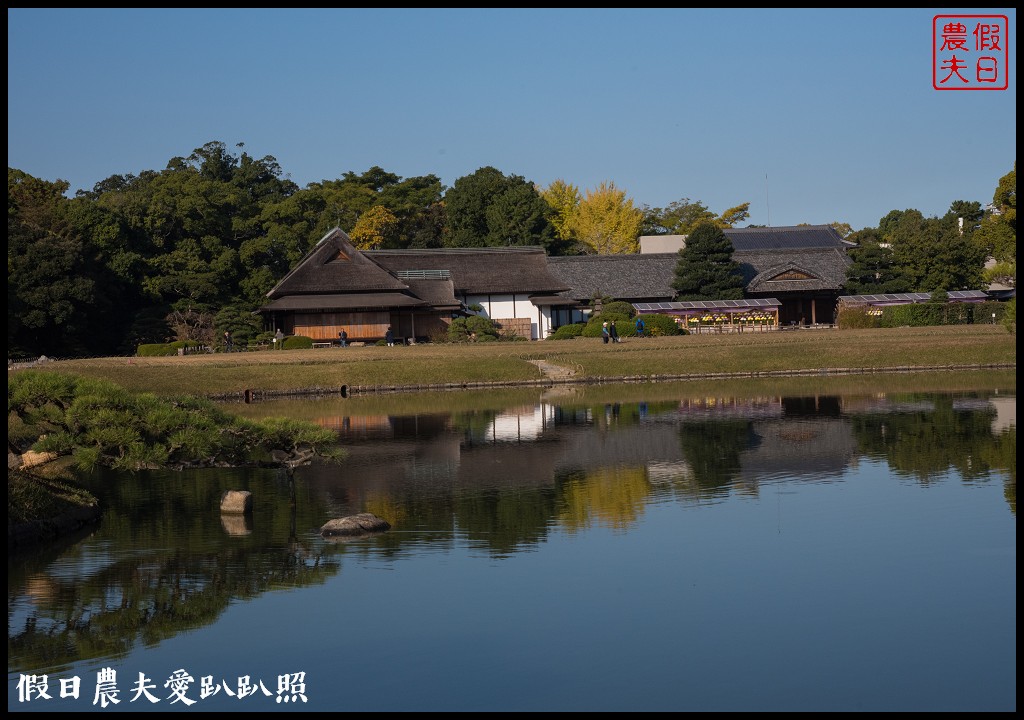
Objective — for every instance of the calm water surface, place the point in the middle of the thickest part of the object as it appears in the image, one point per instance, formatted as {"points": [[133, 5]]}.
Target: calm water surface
{"points": [[557, 552]]}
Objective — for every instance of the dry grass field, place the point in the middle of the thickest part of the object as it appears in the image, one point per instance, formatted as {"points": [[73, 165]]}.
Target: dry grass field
{"points": [[581, 360]]}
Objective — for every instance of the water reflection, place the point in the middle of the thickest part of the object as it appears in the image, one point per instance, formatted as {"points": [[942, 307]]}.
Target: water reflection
{"points": [[163, 561], [499, 480], [531, 468]]}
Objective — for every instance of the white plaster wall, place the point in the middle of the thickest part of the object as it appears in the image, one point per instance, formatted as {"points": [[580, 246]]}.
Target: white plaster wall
{"points": [[499, 307]]}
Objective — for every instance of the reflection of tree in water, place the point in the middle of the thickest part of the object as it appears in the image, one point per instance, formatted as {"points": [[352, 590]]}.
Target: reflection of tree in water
{"points": [[929, 441], [712, 450], [612, 496], [506, 521], [186, 572], [609, 414], [1002, 454]]}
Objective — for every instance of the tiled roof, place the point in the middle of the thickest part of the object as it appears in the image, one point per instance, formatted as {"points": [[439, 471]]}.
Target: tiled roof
{"points": [[825, 268], [623, 277], [783, 238]]}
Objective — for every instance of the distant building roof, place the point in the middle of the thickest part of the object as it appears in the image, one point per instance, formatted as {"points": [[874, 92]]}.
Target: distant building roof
{"points": [[787, 237], [623, 277]]}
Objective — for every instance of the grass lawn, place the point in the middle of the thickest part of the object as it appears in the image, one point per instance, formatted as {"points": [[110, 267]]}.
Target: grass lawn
{"points": [[589, 360]]}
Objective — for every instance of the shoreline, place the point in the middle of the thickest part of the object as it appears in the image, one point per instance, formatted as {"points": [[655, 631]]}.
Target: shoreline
{"points": [[559, 375]]}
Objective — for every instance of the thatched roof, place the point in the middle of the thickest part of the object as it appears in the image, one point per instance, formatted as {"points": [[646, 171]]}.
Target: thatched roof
{"points": [[439, 293], [334, 266], [344, 302], [478, 271]]}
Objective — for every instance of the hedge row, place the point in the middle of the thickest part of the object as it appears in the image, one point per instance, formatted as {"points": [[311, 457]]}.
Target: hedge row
{"points": [[922, 314]]}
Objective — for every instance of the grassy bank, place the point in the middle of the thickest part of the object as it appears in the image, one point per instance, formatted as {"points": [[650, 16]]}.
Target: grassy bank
{"points": [[689, 356]]}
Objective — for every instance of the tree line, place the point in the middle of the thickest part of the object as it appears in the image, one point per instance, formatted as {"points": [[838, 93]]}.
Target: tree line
{"points": [[159, 255]]}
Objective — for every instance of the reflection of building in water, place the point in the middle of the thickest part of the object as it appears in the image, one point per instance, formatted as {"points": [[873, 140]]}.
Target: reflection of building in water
{"points": [[662, 472], [815, 449], [703, 446], [521, 424], [1006, 413], [714, 407], [356, 425], [1003, 408]]}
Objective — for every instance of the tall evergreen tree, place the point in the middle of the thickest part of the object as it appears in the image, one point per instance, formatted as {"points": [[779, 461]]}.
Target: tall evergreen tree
{"points": [[706, 270], [873, 269]]}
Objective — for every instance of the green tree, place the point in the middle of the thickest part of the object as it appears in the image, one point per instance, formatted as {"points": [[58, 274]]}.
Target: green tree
{"points": [[733, 216], [706, 269], [466, 204], [678, 218], [518, 216], [873, 269], [1005, 197], [607, 222], [843, 228], [416, 203], [932, 252], [969, 210], [425, 229], [488, 209], [52, 287], [683, 216], [240, 321], [997, 234]]}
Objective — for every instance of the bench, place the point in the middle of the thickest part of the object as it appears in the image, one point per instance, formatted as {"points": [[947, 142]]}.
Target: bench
{"points": [[322, 344]]}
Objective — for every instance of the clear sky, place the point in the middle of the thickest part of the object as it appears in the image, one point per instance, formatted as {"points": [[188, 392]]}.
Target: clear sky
{"points": [[811, 116]]}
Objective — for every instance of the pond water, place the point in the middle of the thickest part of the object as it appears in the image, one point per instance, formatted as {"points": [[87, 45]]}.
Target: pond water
{"points": [[598, 549]]}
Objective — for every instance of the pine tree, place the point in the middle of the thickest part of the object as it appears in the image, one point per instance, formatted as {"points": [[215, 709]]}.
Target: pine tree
{"points": [[706, 270]]}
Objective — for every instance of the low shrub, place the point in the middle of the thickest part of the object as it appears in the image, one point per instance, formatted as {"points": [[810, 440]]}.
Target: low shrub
{"points": [[474, 327], [855, 318], [168, 349], [567, 332], [659, 325], [619, 308], [297, 342]]}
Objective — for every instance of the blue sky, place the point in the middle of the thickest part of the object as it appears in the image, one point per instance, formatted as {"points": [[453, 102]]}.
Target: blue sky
{"points": [[811, 116]]}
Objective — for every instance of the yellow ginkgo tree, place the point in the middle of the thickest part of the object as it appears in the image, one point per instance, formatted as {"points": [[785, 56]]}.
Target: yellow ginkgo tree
{"points": [[374, 228], [607, 222]]}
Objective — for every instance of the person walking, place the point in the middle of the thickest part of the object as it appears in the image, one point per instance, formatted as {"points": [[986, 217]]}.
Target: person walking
{"points": [[229, 342], [343, 338], [605, 335], [613, 332], [389, 337], [640, 327]]}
